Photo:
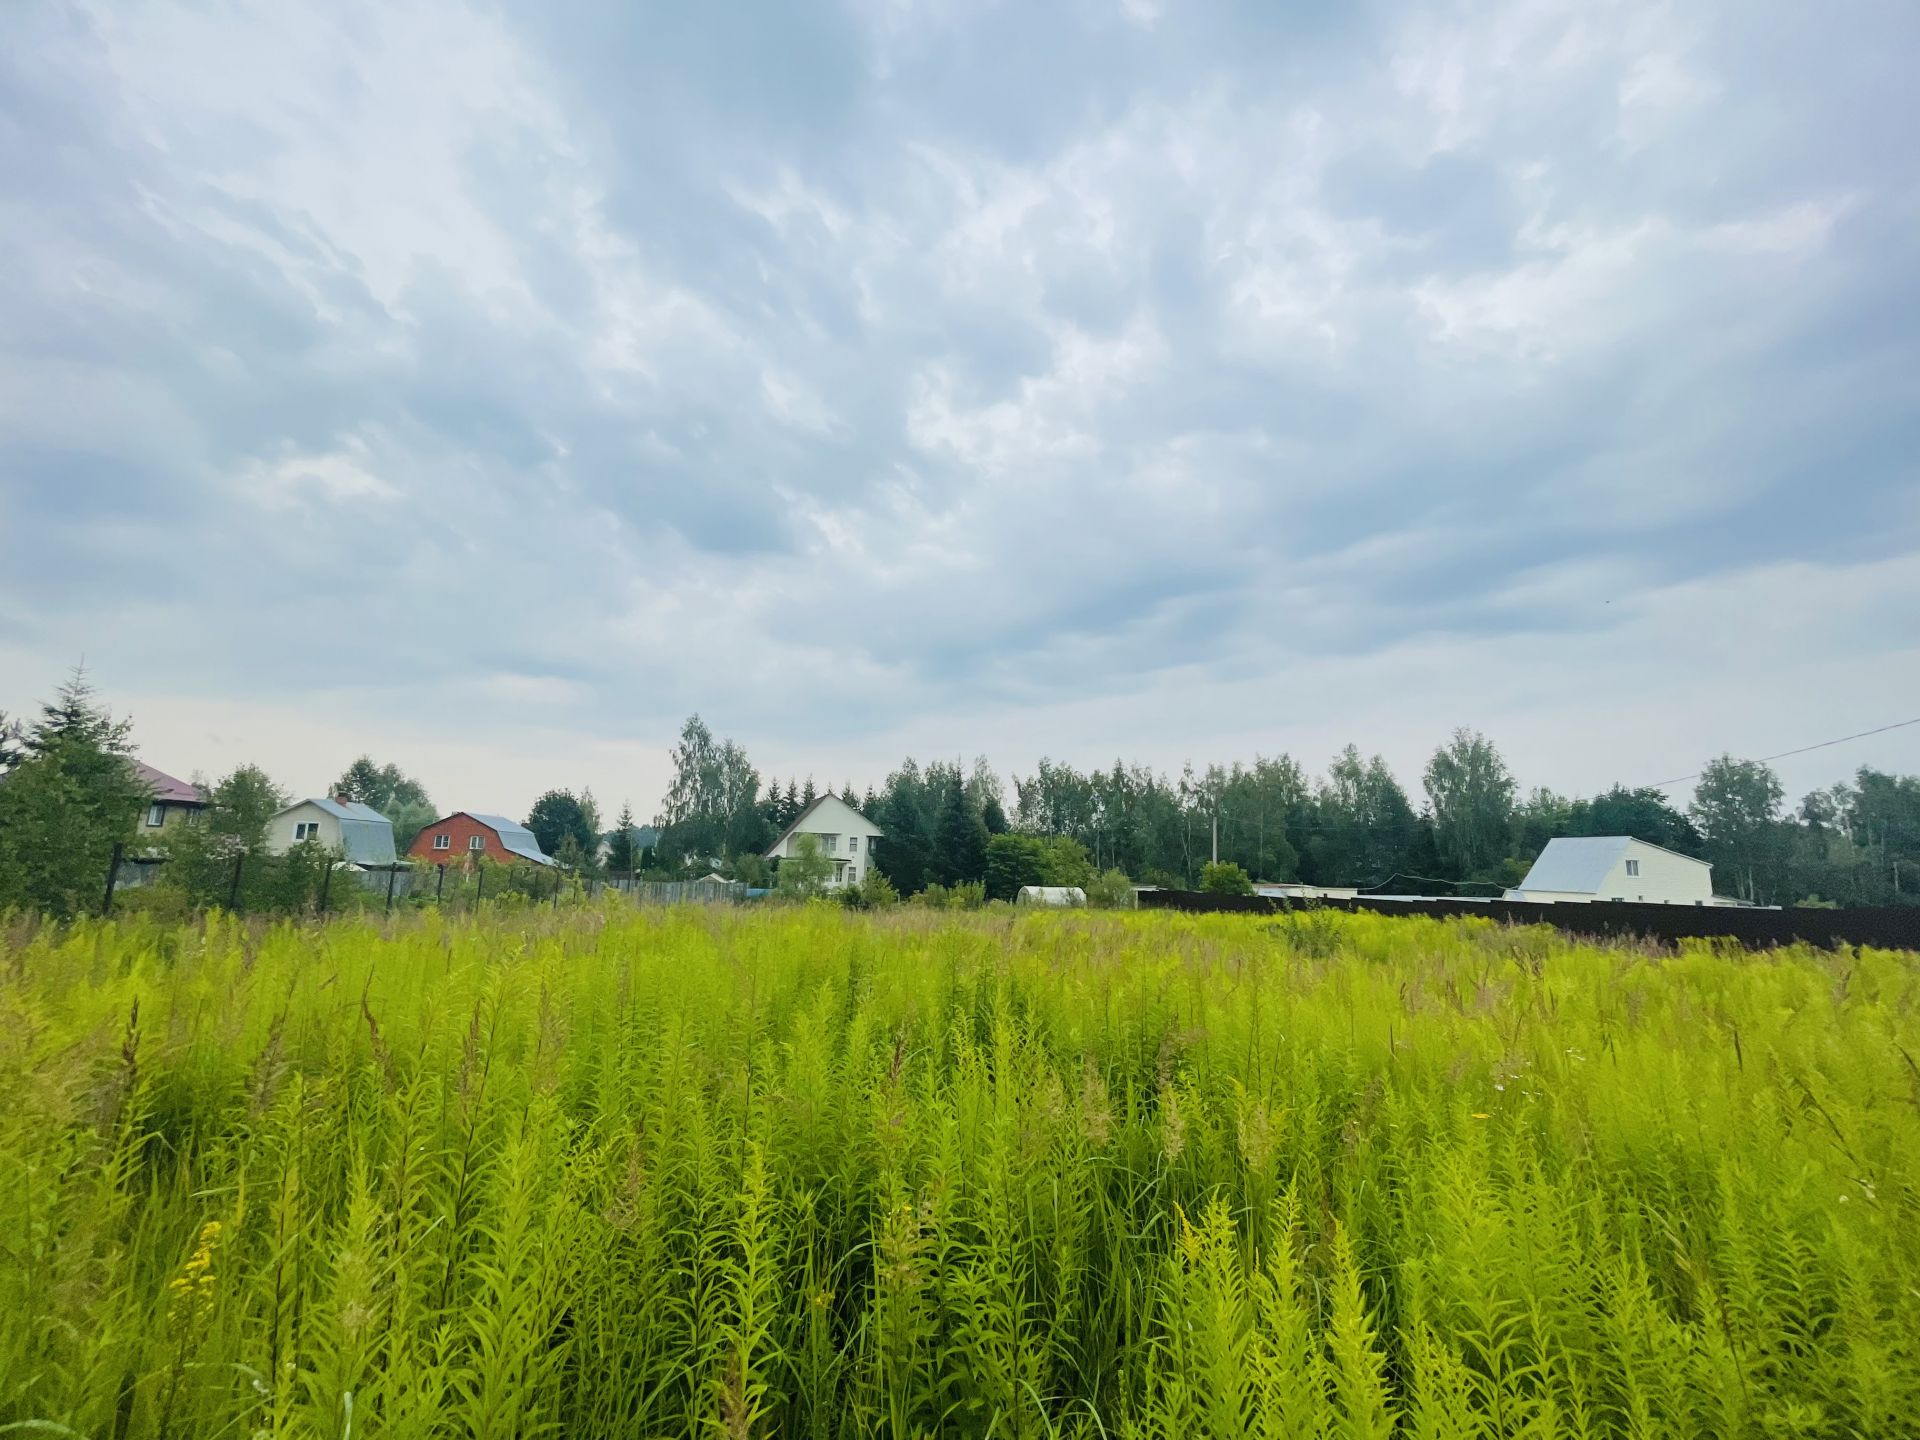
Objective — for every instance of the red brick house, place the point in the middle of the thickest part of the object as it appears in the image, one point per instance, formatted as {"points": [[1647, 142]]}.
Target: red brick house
{"points": [[464, 835]]}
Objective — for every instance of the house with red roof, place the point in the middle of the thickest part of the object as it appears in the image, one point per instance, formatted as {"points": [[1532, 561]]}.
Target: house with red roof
{"points": [[173, 802]]}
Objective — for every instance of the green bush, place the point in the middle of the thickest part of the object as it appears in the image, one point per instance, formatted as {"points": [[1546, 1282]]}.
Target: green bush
{"points": [[1224, 878], [1110, 890]]}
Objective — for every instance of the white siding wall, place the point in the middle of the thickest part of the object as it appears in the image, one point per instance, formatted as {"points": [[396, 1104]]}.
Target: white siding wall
{"points": [[839, 822], [280, 830], [1664, 878]]}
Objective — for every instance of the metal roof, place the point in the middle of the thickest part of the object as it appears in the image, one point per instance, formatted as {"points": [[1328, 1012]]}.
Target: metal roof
{"points": [[514, 837], [366, 836], [1580, 864], [167, 789]]}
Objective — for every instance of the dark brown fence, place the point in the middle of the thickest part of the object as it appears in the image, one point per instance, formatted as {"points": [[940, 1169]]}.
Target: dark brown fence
{"points": [[1891, 927]]}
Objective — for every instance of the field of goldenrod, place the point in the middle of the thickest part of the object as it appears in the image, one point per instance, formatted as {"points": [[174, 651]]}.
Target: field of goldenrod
{"points": [[802, 1172]]}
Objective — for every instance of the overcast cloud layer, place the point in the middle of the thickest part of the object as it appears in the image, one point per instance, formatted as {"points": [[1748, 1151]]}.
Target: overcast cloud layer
{"points": [[489, 386]]}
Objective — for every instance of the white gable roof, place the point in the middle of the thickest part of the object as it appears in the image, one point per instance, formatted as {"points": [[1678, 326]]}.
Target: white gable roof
{"points": [[1580, 864], [828, 815]]}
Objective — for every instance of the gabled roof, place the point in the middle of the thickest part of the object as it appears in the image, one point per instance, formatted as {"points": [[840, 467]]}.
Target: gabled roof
{"points": [[801, 819], [513, 836], [166, 789], [345, 809], [366, 836], [1580, 864]]}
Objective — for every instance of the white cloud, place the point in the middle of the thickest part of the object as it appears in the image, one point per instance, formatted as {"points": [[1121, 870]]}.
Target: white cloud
{"points": [[339, 477], [1217, 390]]}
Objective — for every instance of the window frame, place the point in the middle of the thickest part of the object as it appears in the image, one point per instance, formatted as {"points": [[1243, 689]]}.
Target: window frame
{"points": [[476, 843], [156, 814], [443, 841]]}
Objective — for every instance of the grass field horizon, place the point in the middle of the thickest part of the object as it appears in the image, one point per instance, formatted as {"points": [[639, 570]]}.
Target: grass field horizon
{"points": [[798, 1171]]}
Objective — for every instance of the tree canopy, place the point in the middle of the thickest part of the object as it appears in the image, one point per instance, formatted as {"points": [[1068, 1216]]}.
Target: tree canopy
{"points": [[69, 798], [557, 818], [392, 792]]}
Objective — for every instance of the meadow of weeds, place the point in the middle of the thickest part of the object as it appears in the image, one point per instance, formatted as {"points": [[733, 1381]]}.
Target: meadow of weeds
{"points": [[802, 1172]]}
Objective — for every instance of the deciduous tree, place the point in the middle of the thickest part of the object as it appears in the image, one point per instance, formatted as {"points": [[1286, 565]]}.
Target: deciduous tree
{"points": [[1471, 793], [1734, 805]]}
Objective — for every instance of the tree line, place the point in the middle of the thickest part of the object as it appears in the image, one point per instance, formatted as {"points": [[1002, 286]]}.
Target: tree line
{"points": [[69, 793], [1471, 829]]}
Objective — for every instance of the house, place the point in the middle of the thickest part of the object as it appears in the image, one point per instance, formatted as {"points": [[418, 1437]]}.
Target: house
{"points": [[174, 802], [359, 832], [1586, 868], [1071, 896], [846, 838], [467, 835]]}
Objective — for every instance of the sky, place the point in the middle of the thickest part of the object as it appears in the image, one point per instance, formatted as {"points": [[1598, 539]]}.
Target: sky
{"points": [[487, 387]]}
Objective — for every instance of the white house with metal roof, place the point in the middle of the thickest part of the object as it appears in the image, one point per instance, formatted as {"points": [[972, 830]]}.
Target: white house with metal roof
{"points": [[845, 837], [361, 834], [1585, 868]]}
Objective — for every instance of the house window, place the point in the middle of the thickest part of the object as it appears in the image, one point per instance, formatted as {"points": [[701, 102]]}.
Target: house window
{"points": [[441, 842], [853, 844], [833, 843], [306, 830], [476, 842], [156, 814], [1633, 867]]}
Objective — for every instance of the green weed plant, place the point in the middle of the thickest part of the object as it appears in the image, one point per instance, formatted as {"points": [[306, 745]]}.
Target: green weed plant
{"points": [[811, 1172]]}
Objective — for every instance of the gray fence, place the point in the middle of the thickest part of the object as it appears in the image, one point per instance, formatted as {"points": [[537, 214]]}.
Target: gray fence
{"points": [[681, 892]]}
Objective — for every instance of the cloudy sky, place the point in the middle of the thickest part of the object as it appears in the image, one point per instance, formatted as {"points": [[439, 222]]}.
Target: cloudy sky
{"points": [[488, 386]]}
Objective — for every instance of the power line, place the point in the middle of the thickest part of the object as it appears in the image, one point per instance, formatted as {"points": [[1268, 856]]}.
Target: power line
{"points": [[1858, 735]]}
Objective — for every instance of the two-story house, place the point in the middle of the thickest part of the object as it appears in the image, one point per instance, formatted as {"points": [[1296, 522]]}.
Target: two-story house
{"points": [[846, 838], [469, 835]]}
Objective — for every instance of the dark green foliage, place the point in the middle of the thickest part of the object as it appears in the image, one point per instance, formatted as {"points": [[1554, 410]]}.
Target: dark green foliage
{"points": [[1471, 794], [13, 747], [1644, 814], [65, 804], [712, 810], [623, 856], [392, 792], [557, 818], [960, 850], [1735, 805], [1013, 861]]}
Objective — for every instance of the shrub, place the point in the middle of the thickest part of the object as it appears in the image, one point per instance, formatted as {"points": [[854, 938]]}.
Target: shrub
{"points": [[1224, 878], [1110, 890]]}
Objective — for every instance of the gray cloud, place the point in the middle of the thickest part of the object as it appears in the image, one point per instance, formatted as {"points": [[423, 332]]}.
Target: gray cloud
{"points": [[840, 370]]}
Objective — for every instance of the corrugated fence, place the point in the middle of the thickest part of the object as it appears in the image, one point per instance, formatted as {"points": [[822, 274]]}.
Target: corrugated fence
{"points": [[1891, 927]]}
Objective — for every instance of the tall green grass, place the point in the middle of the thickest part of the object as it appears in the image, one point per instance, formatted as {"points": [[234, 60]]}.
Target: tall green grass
{"points": [[815, 1174]]}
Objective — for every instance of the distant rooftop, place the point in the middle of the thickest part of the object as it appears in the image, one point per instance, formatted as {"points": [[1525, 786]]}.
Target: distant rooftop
{"points": [[167, 789], [514, 836]]}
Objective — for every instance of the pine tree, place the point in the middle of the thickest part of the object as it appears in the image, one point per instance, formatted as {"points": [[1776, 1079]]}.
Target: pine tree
{"points": [[621, 859], [67, 802], [12, 743], [961, 842]]}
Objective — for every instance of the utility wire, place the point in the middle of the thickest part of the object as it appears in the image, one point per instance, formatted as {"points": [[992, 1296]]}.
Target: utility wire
{"points": [[1858, 735]]}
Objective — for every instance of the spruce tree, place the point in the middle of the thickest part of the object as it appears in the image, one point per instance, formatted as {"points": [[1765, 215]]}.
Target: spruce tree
{"points": [[961, 843], [66, 803]]}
